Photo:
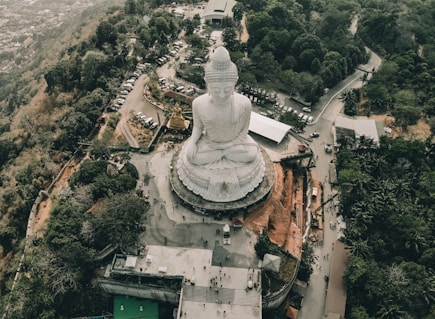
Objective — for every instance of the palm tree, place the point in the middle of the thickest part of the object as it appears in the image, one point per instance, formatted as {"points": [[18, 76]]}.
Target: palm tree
{"points": [[429, 289], [416, 242], [402, 166], [359, 248], [400, 187], [362, 215], [389, 310]]}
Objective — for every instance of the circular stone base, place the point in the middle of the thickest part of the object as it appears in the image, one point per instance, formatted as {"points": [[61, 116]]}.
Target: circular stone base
{"points": [[203, 206]]}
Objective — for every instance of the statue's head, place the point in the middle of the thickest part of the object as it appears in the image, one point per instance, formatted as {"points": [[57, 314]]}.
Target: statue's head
{"points": [[220, 68]]}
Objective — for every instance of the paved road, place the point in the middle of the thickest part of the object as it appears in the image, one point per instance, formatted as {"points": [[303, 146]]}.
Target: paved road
{"points": [[330, 107]]}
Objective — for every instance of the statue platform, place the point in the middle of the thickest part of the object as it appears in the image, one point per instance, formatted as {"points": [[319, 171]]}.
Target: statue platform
{"points": [[203, 206]]}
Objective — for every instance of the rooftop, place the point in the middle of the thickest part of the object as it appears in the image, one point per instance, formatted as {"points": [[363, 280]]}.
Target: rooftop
{"points": [[267, 127], [209, 289], [361, 127], [220, 7]]}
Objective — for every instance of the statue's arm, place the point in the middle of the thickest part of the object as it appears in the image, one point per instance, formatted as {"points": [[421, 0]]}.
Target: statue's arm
{"points": [[197, 125], [191, 147], [244, 118]]}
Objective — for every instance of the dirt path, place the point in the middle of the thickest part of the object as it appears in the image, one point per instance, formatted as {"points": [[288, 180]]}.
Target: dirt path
{"points": [[244, 37], [44, 208]]}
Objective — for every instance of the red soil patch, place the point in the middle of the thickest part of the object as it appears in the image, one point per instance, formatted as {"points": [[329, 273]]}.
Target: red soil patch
{"points": [[275, 214]]}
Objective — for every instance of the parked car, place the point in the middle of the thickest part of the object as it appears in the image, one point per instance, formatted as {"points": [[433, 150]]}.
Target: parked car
{"points": [[328, 148], [306, 109], [148, 121], [315, 134], [310, 119], [127, 87]]}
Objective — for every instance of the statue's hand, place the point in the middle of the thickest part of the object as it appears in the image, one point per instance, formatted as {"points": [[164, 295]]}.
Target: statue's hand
{"points": [[190, 150], [223, 146]]}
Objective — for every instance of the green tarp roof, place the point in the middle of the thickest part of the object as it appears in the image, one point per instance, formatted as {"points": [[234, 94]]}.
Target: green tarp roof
{"points": [[126, 307]]}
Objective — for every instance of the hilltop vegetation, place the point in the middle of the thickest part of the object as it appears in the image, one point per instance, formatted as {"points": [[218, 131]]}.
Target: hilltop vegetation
{"points": [[298, 47], [387, 199]]}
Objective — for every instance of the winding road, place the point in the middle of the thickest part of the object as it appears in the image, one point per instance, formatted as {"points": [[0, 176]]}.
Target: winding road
{"points": [[328, 108]]}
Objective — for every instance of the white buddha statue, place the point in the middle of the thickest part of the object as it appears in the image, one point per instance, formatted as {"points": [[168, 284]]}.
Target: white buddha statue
{"points": [[220, 161]]}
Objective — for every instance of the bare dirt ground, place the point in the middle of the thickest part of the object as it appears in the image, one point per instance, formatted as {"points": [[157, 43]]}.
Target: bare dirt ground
{"points": [[244, 37], [419, 131], [274, 215]]}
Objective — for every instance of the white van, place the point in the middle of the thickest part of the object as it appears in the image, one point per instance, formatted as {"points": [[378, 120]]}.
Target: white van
{"points": [[305, 118], [127, 87], [148, 121]]}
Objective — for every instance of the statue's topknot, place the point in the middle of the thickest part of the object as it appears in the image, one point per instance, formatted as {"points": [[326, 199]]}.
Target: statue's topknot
{"points": [[220, 68]]}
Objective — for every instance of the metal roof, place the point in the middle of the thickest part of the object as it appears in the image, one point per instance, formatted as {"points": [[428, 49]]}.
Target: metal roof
{"points": [[267, 127], [223, 8], [361, 127]]}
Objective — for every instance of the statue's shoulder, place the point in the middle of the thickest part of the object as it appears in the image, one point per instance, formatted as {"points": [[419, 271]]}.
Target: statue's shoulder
{"points": [[201, 100], [242, 100]]}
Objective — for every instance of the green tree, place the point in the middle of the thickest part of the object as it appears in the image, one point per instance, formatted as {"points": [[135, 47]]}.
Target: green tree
{"points": [[130, 7], [238, 11], [94, 65], [119, 219], [229, 37], [89, 170], [106, 34], [305, 48], [406, 115], [307, 261]]}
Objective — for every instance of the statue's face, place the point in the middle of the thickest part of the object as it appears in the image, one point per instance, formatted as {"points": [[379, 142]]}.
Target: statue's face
{"points": [[221, 91]]}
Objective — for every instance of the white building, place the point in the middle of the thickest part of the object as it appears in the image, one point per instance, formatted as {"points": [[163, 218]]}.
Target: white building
{"points": [[217, 10], [356, 129]]}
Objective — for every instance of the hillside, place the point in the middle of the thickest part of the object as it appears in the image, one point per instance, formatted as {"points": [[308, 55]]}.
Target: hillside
{"points": [[52, 101]]}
